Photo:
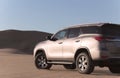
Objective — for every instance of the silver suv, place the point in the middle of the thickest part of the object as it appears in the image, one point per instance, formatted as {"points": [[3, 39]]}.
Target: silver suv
{"points": [[81, 47]]}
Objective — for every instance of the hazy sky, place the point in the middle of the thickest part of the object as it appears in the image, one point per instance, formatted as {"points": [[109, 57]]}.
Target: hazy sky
{"points": [[52, 15]]}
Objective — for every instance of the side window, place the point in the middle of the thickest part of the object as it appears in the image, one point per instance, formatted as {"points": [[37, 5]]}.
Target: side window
{"points": [[60, 35], [74, 32], [91, 30]]}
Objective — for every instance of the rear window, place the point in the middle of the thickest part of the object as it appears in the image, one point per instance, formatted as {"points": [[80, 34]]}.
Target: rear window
{"points": [[74, 32], [111, 30], [91, 30]]}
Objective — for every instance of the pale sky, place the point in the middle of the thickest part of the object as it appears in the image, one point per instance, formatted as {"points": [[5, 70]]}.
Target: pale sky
{"points": [[52, 15]]}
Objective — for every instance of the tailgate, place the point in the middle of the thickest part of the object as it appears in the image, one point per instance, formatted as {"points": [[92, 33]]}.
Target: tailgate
{"points": [[112, 34]]}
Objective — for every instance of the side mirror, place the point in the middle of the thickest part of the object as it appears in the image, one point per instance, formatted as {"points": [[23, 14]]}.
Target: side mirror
{"points": [[48, 37], [52, 39]]}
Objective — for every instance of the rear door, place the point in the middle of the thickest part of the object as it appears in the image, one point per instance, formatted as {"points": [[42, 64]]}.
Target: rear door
{"points": [[112, 35], [70, 43]]}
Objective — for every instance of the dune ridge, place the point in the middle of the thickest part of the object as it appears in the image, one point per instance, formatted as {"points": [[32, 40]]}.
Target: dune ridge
{"points": [[21, 41]]}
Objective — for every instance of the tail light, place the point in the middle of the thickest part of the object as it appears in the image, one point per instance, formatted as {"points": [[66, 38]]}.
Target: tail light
{"points": [[99, 38]]}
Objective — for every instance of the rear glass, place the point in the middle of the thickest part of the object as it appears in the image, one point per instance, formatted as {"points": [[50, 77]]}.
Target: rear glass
{"points": [[111, 30], [91, 30]]}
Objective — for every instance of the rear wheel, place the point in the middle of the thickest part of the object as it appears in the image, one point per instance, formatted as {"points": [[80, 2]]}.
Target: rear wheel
{"points": [[41, 61], [84, 63], [69, 66], [114, 69]]}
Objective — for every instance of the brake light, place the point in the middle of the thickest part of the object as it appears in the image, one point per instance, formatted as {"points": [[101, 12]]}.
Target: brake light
{"points": [[99, 38]]}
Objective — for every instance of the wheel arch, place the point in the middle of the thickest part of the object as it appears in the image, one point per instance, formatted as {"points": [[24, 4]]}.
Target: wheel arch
{"points": [[80, 50], [40, 51]]}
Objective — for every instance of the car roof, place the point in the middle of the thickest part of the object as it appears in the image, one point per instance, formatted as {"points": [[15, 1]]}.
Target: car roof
{"points": [[93, 24], [90, 25]]}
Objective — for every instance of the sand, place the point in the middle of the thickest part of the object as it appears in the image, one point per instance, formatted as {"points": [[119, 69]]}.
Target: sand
{"points": [[22, 66]]}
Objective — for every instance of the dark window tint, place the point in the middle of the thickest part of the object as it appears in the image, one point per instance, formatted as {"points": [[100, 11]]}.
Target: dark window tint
{"points": [[60, 35], [74, 32], [111, 30], [90, 30]]}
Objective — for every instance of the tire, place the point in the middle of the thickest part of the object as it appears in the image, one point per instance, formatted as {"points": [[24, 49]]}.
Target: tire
{"points": [[84, 63], [70, 66], [41, 61], [114, 69]]}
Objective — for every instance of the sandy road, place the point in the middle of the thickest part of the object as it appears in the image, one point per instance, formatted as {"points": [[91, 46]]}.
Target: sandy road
{"points": [[22, 66]]}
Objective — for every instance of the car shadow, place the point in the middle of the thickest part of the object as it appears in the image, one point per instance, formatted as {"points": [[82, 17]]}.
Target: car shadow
{"points": [[97, 72], [105, 73]]}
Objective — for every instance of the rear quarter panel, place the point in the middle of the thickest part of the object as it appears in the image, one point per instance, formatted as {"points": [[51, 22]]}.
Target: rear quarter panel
{"points": [[88, 41]]}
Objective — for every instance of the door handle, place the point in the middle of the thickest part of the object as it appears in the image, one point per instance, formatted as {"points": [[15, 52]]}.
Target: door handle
{"points": [[77, 41], [60, 42]]}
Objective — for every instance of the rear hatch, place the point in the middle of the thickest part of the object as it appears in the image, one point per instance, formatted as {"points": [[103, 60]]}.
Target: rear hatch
{"points": [[111, 32]]}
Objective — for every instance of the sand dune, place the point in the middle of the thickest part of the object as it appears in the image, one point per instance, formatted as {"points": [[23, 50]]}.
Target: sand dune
{"points": [[21, 41]]}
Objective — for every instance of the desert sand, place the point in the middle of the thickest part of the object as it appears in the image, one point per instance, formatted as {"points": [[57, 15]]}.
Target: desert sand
{"points": [[17, 61], [22, 66]]}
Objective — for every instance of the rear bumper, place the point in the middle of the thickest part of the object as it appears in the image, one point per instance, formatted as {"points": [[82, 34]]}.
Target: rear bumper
{"points": [[113, 61], [108, 62]]}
